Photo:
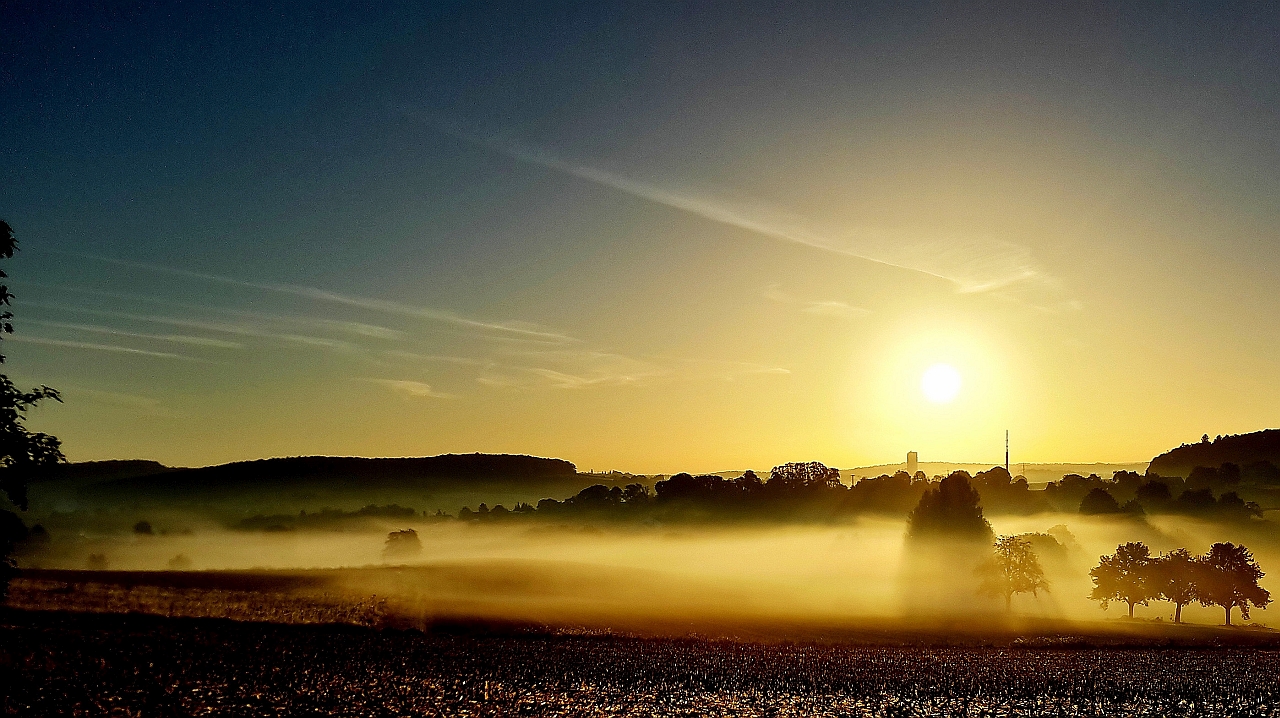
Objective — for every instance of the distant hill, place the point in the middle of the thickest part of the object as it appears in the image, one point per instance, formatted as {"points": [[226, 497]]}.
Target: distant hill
{"points": [[341, 473], [95, 471], [1240, 449]]}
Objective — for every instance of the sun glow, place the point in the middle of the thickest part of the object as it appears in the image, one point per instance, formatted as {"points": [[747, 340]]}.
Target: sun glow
{"points": [[940, 383]]}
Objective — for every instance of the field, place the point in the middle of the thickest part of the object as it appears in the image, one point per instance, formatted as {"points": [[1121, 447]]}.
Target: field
{"points": [[114, 664], [250, 643]]}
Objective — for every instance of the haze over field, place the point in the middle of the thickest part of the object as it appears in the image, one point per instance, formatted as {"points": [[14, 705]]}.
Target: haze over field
{"points": [[633, 577]]}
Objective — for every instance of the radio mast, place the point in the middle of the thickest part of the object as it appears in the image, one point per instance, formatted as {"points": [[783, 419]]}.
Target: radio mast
{"points": [[1006, 451]]}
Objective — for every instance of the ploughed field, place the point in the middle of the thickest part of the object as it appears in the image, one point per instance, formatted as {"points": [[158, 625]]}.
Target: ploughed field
{"points": [[112, 664]]}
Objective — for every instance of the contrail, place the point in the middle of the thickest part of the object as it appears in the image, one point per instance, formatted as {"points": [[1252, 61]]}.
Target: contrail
{"points": [[971, 265], [688, 203]]}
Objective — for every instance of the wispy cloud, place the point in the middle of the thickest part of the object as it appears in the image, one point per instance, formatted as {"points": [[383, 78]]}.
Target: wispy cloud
{"points": [[971, 264], [510, 327], [824, 308], [519, 354], [143, 404], [372, 331], [570, 369], [361, 329], [410, 389], [832, 308], [173, 338], [234, 329], [323, 342], [443, 358], [585, 369], [435, 315], [113, 348]]}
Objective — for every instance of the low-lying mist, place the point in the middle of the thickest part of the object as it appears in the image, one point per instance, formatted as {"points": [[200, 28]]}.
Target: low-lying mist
{"points": [[677, 576]]}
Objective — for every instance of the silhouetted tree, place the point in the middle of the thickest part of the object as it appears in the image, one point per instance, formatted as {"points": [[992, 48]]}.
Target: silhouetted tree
{"points": [[1230, 579], [1013, 568], [402, 544], [1002, 492], [1123, 576], [748, 483], [1067, 492], [1196, 501], [1231, 505], [1175, 577], [1154, 493], [952, 508], [635, 493], [23, 453], [1260, 473], [1229, 474], [1099, 501], [803, 475]]}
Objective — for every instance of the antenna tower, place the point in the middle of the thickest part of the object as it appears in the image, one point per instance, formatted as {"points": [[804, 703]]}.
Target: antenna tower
{"points": [[1006, 451]]}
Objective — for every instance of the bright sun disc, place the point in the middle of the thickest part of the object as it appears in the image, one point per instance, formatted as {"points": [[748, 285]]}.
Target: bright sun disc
{"points": [[940, 383]]}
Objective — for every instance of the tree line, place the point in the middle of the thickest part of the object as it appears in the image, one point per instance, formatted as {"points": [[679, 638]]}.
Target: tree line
{"points": [[1207, 492], [799, 491], [811, 491], [1226, 576]]}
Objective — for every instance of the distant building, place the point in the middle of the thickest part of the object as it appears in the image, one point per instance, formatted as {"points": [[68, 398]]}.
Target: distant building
{"points": [[913, 462]]}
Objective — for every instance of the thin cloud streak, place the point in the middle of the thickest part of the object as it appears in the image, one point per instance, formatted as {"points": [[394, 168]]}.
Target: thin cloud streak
{"points": [[27, 339], [971, 265], [323, 295], [825, 308], [145, 404], [443, 358], [410, 389], [371, 331], [217, 327], [174, 338], [439, 315]]}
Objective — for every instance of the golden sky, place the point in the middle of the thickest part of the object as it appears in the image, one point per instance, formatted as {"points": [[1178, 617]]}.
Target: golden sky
{"points": [[650, 243]]}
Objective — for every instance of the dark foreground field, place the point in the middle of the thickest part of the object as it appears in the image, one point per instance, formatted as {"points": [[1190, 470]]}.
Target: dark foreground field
{"points": [[58, 663]]}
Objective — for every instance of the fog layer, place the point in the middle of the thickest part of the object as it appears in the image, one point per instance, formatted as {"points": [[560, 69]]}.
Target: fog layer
{"points": [[678, 577]]}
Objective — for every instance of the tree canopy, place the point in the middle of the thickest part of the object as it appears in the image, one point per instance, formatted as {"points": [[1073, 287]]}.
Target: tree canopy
{"points": [[1013, 568], [1230, 579], [1227, 576], [1123, 576], [952, 508], [23, 452], [1175, 577]]}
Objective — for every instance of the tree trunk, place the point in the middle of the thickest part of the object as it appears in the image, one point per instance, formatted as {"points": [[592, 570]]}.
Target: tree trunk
{"points": [[1177, 613], [1131, 610], [1228, 615], [1008, 602]]}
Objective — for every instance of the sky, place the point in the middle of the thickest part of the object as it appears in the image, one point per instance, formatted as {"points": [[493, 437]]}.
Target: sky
{"points": [[646, 237]]}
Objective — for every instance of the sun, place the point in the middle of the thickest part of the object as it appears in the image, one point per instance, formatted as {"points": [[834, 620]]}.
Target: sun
{"points": [[940, 383]]}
